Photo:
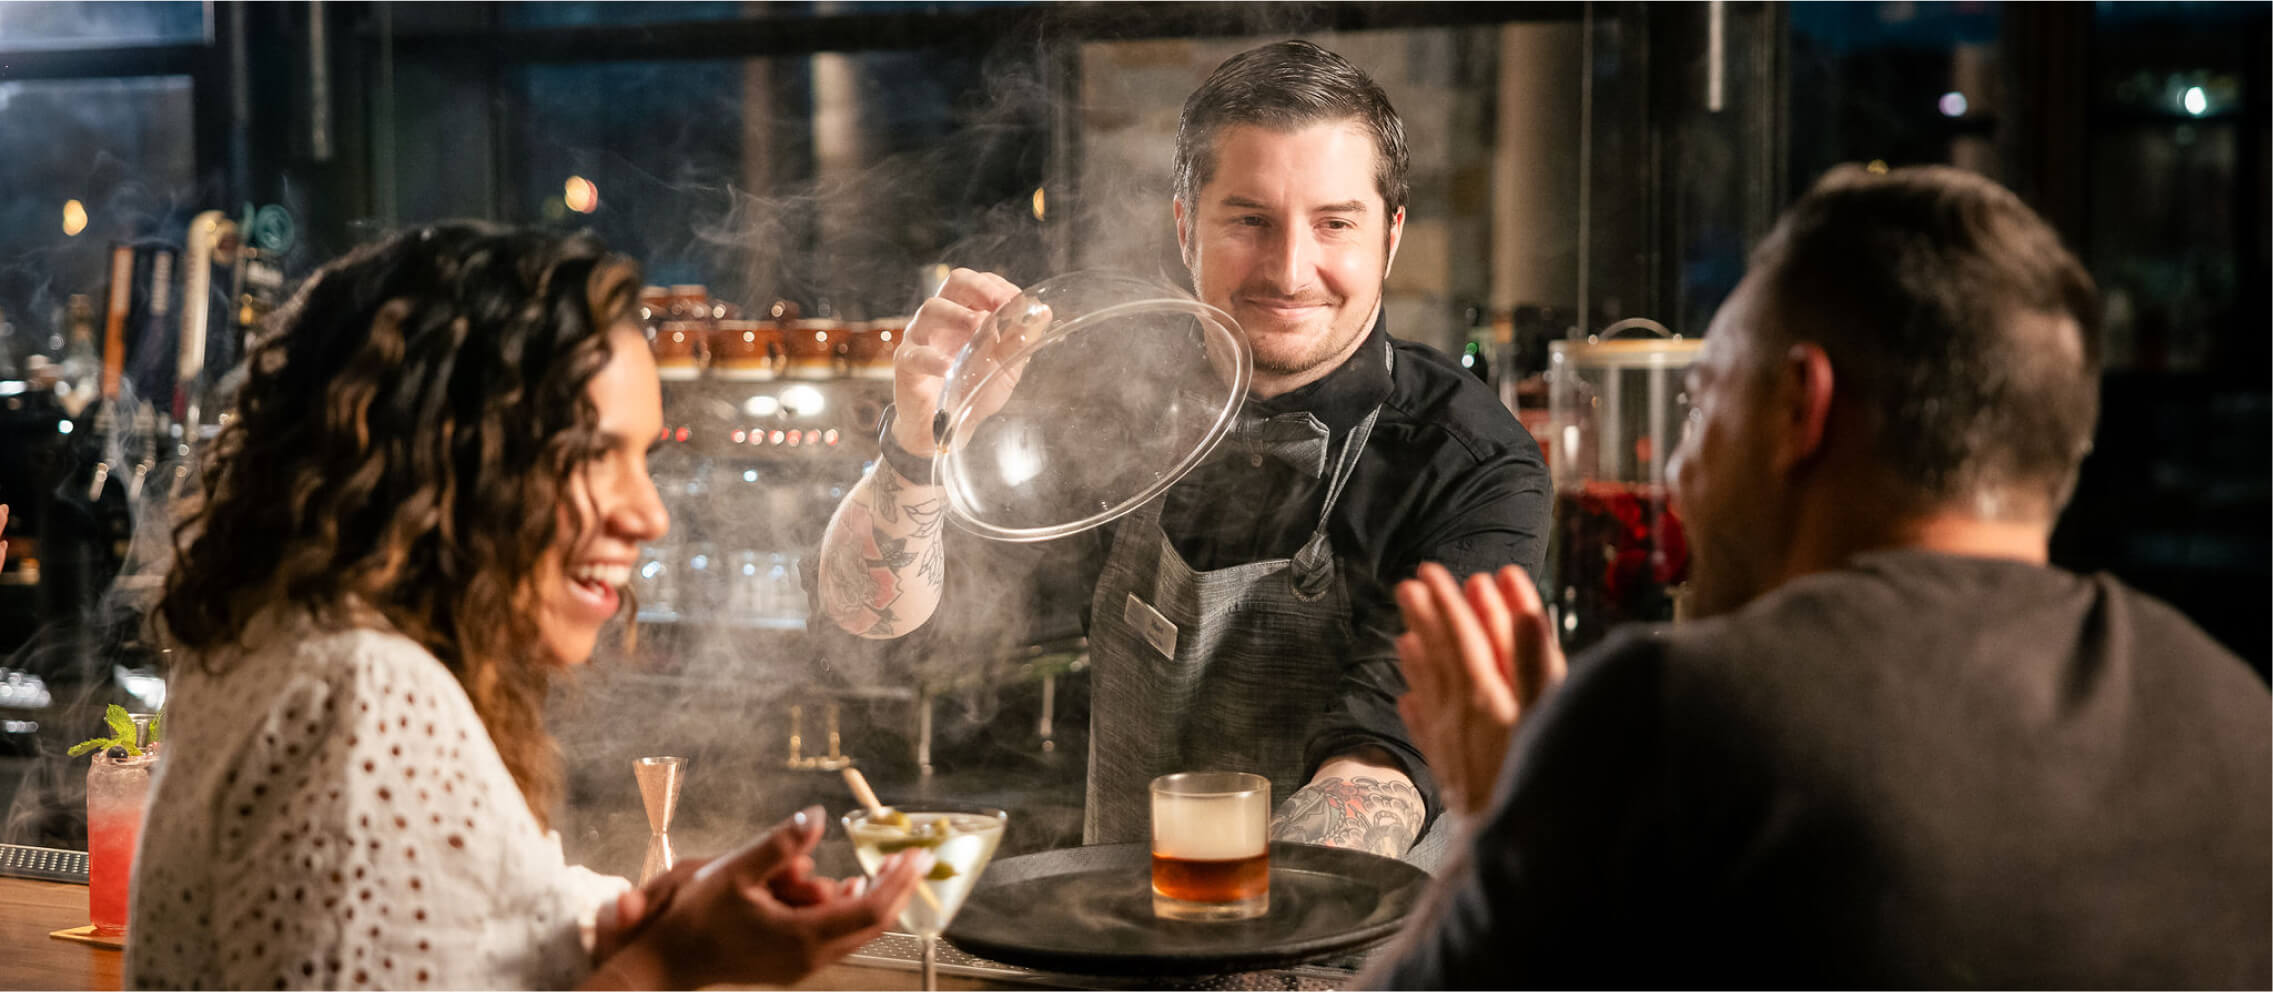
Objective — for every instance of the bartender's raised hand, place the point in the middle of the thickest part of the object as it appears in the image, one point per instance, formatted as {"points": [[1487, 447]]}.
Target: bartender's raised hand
{"points": [[755, 916], [939, 330], [1477, 657]]}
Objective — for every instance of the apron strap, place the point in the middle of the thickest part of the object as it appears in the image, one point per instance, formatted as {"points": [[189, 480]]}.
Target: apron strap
{"points": [[1313, 565]]}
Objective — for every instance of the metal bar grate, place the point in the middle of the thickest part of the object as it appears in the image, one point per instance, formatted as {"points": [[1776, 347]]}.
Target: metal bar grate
{"points": [[48, 864], [905, 950]]}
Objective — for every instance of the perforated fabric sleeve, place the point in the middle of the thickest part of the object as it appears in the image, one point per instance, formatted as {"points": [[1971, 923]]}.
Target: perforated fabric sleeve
{"points": [[331, 813]]}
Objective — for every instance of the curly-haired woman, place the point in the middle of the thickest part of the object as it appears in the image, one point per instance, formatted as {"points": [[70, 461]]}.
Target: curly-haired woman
{"points": [[430, 487]]}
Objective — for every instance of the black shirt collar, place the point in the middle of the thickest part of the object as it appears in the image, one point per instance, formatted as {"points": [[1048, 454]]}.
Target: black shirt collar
{"points": [[1344, 396]]}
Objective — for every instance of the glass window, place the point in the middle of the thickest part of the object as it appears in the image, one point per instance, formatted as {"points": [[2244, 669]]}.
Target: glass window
{"points": [[1896, 82], [85, 162], [565, 14], [2172, 218], [825, 180], [551, 14], [137, 22]]}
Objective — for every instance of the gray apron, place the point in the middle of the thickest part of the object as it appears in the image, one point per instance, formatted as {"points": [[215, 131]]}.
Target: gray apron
{"points": [[1231, 669]]}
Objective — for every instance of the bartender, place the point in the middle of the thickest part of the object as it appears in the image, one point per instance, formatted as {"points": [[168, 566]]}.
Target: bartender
{"points": [[1244, 621]]}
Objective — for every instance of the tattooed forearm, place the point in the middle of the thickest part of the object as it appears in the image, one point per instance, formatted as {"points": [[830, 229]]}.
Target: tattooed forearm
{"points": [[1381, 816], [888, 486], [882, 561]]}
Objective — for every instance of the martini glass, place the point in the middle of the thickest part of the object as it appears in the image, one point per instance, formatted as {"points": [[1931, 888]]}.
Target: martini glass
{"points": [[962, 839]]}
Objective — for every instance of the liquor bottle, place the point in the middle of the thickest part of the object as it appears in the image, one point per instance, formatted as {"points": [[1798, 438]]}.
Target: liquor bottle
{"points": [[79, 377], [153, 335], [121, 298], [212, 242], [11, 367], [1478, 355]]}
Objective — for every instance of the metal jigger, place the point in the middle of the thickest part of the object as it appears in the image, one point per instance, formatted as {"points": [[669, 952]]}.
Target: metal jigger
{"points": [[659, 790]]}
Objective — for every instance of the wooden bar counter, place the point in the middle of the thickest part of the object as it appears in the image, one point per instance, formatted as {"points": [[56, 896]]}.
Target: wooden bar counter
{"points": [[30, 959]]}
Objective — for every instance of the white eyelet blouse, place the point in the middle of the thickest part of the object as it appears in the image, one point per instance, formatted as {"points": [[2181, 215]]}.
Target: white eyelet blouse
{"points": [[330, 813]]}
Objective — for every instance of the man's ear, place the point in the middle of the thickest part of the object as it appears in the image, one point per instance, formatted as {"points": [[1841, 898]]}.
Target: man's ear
{"points": [[1803, 390], [1396, 237], [1183, 232]]}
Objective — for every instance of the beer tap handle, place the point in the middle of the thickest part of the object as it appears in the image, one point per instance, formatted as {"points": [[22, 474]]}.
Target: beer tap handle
{"points": [[95, 488], [796, 736]]}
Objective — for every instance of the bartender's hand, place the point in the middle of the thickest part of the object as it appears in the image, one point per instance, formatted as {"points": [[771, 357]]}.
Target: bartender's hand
{"points": [[1476, 659], [935, 335], [756, 916], [3, 530]]}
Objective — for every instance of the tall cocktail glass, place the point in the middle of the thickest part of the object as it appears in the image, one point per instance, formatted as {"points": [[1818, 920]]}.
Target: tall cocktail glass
{"points": [[117, 790]]}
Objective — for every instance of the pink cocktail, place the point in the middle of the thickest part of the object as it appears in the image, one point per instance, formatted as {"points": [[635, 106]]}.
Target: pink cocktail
{"points": [[117, 790]]}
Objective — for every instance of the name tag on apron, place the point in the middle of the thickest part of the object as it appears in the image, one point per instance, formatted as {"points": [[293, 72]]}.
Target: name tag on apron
{"points": [[1154, 628]]}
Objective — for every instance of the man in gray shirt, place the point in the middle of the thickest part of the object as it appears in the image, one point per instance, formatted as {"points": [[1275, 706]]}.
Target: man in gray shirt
{"points": [[1898, 748]]}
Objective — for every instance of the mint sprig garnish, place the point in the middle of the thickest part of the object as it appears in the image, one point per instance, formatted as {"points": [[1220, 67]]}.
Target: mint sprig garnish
{"points": [[122, 733]]}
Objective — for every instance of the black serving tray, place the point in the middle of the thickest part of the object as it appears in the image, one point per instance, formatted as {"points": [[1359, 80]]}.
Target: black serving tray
{"points": [[1088, 911]]}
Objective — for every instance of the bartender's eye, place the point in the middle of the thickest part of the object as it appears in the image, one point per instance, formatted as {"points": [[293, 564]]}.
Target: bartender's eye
{"points": [[1249, 220]]}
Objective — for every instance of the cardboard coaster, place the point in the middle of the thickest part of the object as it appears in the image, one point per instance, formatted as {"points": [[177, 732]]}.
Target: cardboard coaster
{"points": [[87, 935]]}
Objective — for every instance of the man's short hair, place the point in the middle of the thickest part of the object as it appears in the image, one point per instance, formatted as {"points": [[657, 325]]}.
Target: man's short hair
{"points": [[1953, 316], [1286, 86]]}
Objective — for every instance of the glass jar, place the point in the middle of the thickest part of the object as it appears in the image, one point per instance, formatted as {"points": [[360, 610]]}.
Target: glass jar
{"points": [[1617, 407]]}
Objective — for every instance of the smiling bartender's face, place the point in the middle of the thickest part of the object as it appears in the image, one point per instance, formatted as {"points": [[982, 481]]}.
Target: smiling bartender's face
{"points": [[1290, 236], [610, 506]]}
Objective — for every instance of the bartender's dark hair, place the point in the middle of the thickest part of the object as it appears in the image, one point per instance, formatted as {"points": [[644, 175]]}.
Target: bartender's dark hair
{"points": [[407, 425], [1285, 86], [1955, 320]]}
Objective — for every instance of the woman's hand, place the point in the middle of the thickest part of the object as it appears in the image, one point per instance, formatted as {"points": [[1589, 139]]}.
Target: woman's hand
{"points": [[758, 915]]}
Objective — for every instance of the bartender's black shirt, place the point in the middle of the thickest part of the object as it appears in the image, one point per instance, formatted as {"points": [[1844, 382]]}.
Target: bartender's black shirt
{"points": [[1448, 475]]}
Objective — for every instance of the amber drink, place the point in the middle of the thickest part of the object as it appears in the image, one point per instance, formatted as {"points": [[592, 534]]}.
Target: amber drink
{"points": [[1211, 855]]}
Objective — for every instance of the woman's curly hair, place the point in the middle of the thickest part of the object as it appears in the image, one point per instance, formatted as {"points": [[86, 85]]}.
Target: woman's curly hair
{"points": [[407, 427]]}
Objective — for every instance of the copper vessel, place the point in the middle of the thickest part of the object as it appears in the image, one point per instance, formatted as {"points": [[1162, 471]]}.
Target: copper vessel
{"points": [[746, 349], [815, 348], [868, 350]]}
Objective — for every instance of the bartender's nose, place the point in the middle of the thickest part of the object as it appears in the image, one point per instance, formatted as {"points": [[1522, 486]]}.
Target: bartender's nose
{"points": [[1289, 259]]}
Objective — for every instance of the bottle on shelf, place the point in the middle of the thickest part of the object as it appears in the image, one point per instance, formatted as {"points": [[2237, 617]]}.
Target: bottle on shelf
{"points": [[11, 365], [79, 376]]}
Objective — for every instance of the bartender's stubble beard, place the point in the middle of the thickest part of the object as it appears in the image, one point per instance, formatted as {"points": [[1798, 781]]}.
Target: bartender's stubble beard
{"points": [[1275, 374]]}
